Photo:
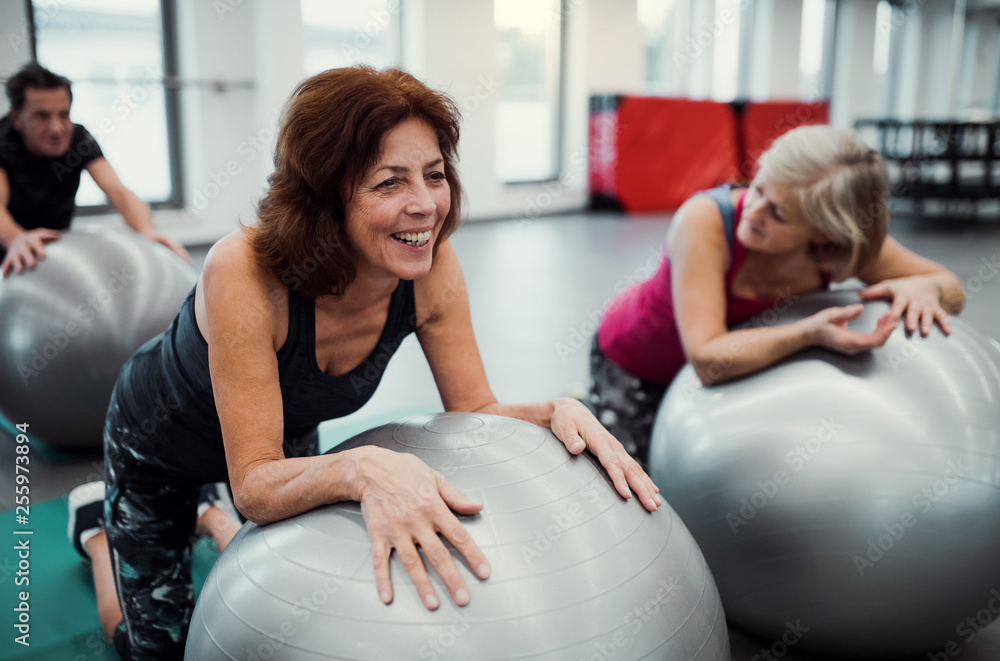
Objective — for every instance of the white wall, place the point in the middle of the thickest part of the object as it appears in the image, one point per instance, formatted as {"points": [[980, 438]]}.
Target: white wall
{"points": [[614, 45], [222, 161], [15, 47]]}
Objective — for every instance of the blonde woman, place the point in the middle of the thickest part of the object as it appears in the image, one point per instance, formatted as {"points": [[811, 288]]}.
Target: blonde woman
{"points": [[817, 212]]}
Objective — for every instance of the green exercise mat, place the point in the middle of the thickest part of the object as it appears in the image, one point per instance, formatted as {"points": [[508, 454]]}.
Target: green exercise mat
{"points": [[61, 608]]}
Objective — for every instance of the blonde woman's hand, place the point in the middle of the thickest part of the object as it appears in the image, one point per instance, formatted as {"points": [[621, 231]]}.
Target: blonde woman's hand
{"points": [[918, 297], [828, 328]]}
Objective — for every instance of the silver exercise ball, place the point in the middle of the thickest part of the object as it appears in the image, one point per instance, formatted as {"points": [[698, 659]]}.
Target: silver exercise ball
{"points": [[855, 500], [68, 326], [578, 572]]}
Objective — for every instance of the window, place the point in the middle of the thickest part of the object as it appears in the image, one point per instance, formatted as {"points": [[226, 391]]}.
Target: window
{"points": [[883, 27], [341, 34], [665, 23], [724, 33], [115, 55], [528, 50], [811, 48]]}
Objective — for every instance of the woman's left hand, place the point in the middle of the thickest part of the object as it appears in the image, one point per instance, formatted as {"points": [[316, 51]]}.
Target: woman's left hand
{"points": [[918, 296], [579, 430]]}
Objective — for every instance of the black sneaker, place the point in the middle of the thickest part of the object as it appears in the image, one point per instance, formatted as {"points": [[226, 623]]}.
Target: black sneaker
{"points": [[86, 515]]}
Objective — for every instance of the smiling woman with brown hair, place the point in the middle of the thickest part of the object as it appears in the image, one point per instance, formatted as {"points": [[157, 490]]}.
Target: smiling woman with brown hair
{"points": [[349, 255]]}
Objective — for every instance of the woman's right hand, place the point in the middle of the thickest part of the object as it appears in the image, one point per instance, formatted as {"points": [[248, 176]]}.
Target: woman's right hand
{"points": [[405, 503], [828, 328]]}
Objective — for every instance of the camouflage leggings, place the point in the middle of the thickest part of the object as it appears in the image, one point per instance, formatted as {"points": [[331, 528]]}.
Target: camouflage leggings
{"points": [[150, 514], [625, 404]]}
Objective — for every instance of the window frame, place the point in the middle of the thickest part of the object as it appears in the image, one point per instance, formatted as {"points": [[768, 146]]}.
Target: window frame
{"points": [[560, 111], [171, 94]]}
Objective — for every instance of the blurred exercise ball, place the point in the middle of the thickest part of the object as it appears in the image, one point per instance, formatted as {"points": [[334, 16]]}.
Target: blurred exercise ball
{"points": [[68, 326], [855, 497], [578, 572]]}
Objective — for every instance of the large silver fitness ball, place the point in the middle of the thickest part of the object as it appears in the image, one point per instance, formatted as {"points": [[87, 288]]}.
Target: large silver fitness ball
{"points": [[68, 326], [578, 572], [856, 497]]}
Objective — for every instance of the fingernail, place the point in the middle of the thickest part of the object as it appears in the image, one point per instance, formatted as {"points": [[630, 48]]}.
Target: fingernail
{"points": [[484, 570], [658, 501], [384, 596], [431, 601], [462, 597], [579, 445]]}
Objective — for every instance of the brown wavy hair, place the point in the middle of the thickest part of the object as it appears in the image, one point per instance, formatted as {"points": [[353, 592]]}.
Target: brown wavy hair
{"points": [[330, 136]]}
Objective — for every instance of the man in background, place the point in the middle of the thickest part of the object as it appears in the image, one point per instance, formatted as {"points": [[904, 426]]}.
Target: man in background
{"points": [[42, 154]]}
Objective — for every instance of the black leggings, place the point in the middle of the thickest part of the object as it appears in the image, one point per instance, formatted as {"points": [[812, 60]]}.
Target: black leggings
{"points": [[625, 404], [150, 513]]}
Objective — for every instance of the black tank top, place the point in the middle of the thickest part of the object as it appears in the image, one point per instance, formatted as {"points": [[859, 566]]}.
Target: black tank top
{"points": [[164, 397]]}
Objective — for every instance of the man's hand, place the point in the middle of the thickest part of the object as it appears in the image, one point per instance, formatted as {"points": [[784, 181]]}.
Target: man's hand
{"points": [[174, 246], [27, 249]]}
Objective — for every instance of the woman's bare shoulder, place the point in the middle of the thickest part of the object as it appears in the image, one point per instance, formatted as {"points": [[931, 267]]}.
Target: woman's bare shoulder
{"points": [[700, 220]]}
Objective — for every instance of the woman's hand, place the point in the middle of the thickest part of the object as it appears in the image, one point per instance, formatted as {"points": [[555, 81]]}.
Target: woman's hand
{"points": [[918, 296], [828, 328], [405, 503], [579, 430]]}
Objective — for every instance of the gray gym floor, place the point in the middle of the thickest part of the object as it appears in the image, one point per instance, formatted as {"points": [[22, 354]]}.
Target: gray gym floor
{"points": [[536, 289]]}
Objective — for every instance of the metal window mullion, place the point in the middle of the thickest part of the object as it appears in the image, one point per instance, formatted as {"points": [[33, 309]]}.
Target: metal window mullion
{"points": [[171, 95]]}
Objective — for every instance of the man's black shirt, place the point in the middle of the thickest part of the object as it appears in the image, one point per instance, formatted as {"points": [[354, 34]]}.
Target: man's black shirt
{"points": [[42, 189]]}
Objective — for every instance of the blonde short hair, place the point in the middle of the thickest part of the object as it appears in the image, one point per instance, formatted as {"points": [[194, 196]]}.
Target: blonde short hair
{"points": [[843, 191]]}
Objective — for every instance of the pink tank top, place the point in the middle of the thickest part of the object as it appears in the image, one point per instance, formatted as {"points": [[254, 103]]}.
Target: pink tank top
{"points": [[639, 330]]}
